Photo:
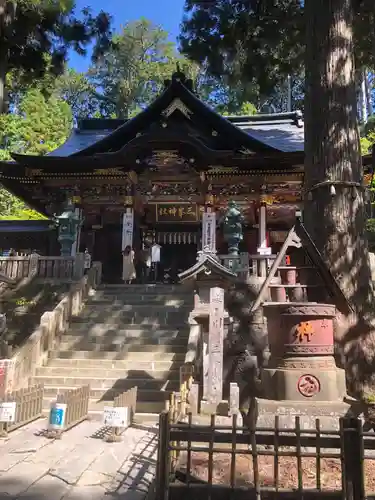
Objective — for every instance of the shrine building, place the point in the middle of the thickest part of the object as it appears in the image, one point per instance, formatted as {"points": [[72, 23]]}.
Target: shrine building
{"points": [[153, 177]]}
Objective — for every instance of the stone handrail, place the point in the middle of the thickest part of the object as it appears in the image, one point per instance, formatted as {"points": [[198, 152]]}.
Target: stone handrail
{"points": [[245, 263], [60, 268], [34, 352], [193, 358]]}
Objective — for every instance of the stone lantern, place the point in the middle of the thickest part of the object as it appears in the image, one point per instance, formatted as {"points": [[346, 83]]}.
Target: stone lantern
{"points": [[68, 224], [232, 227]]}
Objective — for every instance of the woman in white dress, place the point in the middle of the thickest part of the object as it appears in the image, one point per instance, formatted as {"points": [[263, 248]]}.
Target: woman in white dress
{"points": [[128, 269]]}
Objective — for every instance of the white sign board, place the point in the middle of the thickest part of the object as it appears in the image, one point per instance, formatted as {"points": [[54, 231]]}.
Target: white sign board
{"points": [[155, 253], [127, 229], [209, 231], [56, 419], [8, 411], [264, 250], [116, 417]]}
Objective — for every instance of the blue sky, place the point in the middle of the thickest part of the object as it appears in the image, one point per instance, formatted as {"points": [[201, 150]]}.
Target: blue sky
{"points": [[167, 13]]}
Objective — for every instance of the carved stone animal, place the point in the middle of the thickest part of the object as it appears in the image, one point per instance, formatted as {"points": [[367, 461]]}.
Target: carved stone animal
{"points": [[246, 343]]}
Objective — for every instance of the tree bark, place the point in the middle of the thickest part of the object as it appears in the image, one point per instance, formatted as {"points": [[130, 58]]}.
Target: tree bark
{"points": [[334, 209]]}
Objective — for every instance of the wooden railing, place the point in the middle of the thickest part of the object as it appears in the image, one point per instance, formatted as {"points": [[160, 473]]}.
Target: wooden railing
{"points": [[217, 461], [127, 399], [29, 405], [77, 405], [57, 268], [248, 264]]}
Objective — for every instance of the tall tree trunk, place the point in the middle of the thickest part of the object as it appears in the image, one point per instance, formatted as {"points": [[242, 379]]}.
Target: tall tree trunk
{"points": [[334, 209]]}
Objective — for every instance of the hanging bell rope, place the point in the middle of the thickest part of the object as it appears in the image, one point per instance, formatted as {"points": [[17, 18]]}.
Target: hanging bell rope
{"points": [[332, 188]]}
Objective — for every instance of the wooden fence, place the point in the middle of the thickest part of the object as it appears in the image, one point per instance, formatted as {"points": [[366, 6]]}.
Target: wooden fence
{"points": [[127, 399], [57, 268], [228, 462], [29, 406], [77, 405]]}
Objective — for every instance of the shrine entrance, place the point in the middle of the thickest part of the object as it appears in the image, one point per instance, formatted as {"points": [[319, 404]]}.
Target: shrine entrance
{"points": [[178, 252], [107, 250]]}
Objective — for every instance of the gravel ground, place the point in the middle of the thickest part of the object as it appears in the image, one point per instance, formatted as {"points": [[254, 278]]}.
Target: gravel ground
{"points": [[330, 471]]}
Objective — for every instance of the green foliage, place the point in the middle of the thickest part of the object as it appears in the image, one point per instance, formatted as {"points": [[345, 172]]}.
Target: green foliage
{"points": [[39, 126], [132, 71], [246, 109], [35, 37], [258, 40]]}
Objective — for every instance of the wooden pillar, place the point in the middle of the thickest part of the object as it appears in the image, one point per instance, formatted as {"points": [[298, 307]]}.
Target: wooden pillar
{"points": [[263, 248], [76, 244]]}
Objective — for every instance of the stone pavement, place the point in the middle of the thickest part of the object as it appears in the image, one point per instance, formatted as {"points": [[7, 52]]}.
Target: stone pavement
{"points": [[79, 466]]}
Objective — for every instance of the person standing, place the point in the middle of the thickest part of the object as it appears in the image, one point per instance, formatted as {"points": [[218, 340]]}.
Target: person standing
{"points": [[145, 263], [155, 260], [128, 269], [87, 261]]}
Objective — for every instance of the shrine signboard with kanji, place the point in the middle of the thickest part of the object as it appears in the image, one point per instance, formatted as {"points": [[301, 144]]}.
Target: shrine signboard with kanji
{"points": [[176, 212]]}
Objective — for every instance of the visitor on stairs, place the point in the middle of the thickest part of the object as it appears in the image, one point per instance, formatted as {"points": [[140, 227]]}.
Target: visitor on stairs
{"points": [[128, 269]]}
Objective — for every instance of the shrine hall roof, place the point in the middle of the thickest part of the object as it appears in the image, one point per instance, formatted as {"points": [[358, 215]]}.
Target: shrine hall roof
{"points": [[281, 131]]}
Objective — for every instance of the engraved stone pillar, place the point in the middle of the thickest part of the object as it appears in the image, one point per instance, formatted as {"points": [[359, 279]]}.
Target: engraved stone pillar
{"points": [[194, 399], [33, 265], [215, 346], [234, 399]]}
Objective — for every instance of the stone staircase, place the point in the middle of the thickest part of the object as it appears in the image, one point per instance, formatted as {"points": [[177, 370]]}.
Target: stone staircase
{"points": [[127, 335]]}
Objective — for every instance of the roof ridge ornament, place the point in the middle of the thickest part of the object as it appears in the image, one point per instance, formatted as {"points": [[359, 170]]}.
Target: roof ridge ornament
{"points": [[175, 105], [179, 76]]}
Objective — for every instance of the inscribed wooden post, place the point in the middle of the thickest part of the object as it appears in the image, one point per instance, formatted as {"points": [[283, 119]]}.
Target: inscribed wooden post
{"points": [[127, 228], [209, 232], [215, 346]]}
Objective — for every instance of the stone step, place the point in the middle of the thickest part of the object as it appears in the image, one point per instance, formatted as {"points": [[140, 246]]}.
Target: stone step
{"points": [[159, 370], [117, 364], [146, 289], [156, 318], [139, 300], [115, 354], [146, 411], [130, 332], [139, 308], [69, 342], [119, 337], [108, 384], [107, 395]]}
